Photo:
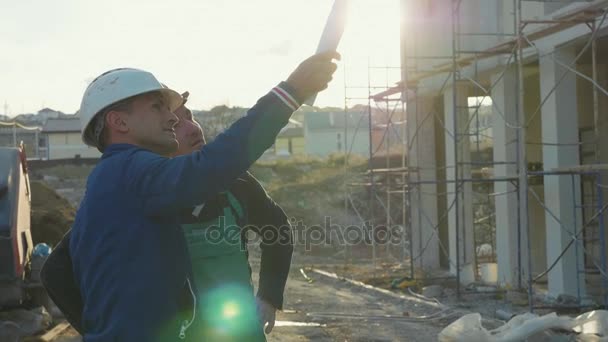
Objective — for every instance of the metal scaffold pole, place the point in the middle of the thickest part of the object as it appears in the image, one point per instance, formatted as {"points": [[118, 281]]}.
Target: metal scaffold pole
{"points": [[596, 104], [374, 194], [455, 47], [372, 180], [521, 156], [345, 179]]}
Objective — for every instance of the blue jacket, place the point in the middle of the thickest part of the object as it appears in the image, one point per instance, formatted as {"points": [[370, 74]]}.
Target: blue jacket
{"points": [[129, 256]]}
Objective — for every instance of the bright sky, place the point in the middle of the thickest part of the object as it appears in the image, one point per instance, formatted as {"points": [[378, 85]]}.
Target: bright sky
{"points": [[223, 51]]}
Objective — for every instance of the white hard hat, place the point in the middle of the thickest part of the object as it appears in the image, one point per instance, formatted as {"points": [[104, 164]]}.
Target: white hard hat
{"points": [[114, 86]]}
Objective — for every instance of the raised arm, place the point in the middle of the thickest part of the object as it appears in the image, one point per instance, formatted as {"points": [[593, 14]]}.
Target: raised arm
{"points": [[166, 185]]}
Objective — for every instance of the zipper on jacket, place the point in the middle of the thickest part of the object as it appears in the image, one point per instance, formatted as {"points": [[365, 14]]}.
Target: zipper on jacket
{"points": [[185, 323]]}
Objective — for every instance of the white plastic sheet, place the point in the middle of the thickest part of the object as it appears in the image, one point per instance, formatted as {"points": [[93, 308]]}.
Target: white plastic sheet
{"points": [[592, 326], [467, 328], [594, 322]]}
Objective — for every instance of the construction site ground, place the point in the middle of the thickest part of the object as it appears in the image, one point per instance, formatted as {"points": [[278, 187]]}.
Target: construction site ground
{"points": [[341, 311], [322, 307], [325, 300], [330, 309]]}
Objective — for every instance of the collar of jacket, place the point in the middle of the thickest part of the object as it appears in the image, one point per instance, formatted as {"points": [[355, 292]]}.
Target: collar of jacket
{"points": [[116, 148]]}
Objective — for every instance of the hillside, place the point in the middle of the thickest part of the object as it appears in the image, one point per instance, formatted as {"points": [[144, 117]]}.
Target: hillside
{"points": [[307, 188]]}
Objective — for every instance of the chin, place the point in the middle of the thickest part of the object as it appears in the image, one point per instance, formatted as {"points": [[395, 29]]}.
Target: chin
{"points": [[169, 148]]}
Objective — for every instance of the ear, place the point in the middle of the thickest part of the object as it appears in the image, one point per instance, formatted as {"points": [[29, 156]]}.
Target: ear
{"points": [[117, 121]]}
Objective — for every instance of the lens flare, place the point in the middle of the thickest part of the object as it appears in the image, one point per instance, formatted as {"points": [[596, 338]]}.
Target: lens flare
{"points": [[230, 310]]}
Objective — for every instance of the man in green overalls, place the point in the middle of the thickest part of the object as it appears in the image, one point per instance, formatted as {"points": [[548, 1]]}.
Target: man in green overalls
{"points": [[216, 232]]}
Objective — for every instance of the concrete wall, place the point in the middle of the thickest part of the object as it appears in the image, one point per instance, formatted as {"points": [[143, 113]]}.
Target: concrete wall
{"points": [[68, 146], [534, 153], [458, 157], [534, 150], [422, 157], [298, 146], [325, 142], [554, 7], [587, 135], [431, 20]]}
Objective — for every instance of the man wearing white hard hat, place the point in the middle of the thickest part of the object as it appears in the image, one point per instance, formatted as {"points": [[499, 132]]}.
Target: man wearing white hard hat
{"points": [[129, 256]]}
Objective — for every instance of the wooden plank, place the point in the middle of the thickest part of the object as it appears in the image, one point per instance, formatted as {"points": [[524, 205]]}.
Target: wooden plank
{"points": [[55, 332], [581, 168]]}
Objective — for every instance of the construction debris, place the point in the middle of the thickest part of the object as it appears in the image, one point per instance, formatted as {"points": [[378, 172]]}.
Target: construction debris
{"points": [[308, 279], [19, 323], [55, 332], [504, 315], [432, 291], [403, 283], [591, 326]]}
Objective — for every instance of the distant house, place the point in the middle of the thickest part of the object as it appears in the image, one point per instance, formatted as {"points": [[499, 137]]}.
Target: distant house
{"points": [[63, 140], [290, 142], [335, 132], [48, 113], [26, 118]]}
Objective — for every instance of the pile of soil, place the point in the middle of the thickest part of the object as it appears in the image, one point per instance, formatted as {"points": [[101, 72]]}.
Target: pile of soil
{"points": [[52, 215]]}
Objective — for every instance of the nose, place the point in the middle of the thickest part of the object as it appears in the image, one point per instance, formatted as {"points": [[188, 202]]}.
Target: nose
{"points": [[173, 119], [197, 130], [193, 130], [189, 130]]}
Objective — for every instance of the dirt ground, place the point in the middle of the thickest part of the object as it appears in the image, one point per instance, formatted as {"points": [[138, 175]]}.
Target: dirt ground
{"points": [[347, 312], [321, 308], [325, 308], [329, 309]]}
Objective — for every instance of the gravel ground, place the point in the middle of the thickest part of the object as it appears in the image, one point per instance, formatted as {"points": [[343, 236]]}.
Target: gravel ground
{"points": [[342, 311], [331, 309]]}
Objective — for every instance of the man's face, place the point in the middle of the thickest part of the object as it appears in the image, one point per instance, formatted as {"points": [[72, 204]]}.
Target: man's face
{"points": [[189, 133], [151, 124]]}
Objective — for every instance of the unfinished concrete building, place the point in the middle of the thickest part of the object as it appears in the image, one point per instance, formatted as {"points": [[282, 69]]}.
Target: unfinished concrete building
{"points": [[507, 126]]}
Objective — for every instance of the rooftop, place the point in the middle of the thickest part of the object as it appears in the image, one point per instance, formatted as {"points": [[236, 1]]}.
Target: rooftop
{"points": [[61, 126]]}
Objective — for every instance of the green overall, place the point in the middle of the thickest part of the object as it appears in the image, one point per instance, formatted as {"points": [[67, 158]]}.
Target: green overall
{"points": [[226, 309]]}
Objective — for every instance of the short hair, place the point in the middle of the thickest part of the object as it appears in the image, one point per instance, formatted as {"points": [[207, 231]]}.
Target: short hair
{"points": [[98, 125]]}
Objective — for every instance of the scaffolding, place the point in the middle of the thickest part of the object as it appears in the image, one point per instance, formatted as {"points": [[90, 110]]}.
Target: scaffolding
{"points": [[468, 181], [15, 134], [375, 195]]}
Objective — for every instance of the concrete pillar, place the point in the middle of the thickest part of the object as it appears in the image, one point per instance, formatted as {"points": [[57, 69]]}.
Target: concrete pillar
{"points": [[459, 111], [504, 118], [421, 157], [562, 193], [534, 154]]}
